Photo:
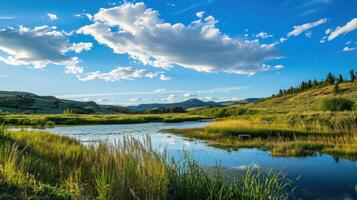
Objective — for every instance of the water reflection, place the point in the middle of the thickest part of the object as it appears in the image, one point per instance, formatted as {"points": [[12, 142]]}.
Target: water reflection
{"points": [[322, 176]]}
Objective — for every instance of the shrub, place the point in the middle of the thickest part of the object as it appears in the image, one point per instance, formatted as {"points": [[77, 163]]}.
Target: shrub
{"points": [[337, 104]]}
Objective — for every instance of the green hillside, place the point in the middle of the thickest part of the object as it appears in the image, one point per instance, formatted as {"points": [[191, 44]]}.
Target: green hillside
{"points": [[309, 100], [23, 102]]}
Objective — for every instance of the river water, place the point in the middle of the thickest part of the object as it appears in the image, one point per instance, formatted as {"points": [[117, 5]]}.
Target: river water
{"points": [[320, 177]]}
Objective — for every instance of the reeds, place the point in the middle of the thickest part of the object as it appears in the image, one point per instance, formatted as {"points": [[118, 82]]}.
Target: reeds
{"points": [[37, 165], [285, 135]]}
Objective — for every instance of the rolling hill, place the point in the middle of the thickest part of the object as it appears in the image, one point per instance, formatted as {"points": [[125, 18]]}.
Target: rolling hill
{"points": [[309, 100], [23, 102]]}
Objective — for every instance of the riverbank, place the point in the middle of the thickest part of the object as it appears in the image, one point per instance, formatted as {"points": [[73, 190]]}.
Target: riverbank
{"points": [[284, 134], [40, 165], [45, 121]]}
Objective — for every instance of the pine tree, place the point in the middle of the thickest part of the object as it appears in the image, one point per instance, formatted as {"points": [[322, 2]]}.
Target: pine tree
{"points": [[336, 89], [353, 75], [330, 79], [340, 79]]}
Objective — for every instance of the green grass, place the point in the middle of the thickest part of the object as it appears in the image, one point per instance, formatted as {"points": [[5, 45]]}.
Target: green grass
{"points": [[333, 133], [40, 165], [75, 119], [309, 100]]}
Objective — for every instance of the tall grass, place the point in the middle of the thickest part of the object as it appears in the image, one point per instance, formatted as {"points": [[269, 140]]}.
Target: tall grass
{"points": [[285, 135], [51, 120], [35, 165]]}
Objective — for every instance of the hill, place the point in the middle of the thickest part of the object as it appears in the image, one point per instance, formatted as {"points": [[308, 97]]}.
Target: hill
{"points": [[191, 104], [309, 100], [23, 102]]}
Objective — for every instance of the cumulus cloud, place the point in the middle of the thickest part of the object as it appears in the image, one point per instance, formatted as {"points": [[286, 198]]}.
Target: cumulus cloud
{"points": [[52, 16], [136, 30], [263, 35], [350, 26], [82, 46], [305, 27], [120, 73], [37, 47]]}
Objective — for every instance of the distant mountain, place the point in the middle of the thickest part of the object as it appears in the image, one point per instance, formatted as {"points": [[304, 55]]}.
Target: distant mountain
{"points": [[23, 102], [188, 104], [185, 105]]}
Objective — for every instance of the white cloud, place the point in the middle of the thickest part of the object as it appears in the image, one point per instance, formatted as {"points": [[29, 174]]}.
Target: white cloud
{"points": [[37, 47], [200, 14], [120, 73], [137, 99], [76, 70], [164, 78], [171, 98], [52, 16], [350, 26], [279, 67], [263, 35], [89, 16], [305, 27], [6, 17], [160, 90], [348, 49], [200, 45], [82, 46], [188, 95], [171, 4]]}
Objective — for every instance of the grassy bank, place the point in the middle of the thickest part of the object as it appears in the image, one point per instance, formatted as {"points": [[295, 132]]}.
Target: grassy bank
{"points": [[334, 133], [75, 119], [39, 165]]}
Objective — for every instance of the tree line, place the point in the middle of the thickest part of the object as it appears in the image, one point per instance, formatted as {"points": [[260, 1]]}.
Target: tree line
{"points": [[329, 80]]}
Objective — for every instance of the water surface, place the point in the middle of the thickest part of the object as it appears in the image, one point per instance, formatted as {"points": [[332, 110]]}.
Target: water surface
{"points": [[321, 177]]}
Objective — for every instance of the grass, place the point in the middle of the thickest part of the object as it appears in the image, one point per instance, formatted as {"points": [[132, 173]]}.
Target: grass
{"points": [[40, 165], [76, 119], [286, 134], [309, 100]]}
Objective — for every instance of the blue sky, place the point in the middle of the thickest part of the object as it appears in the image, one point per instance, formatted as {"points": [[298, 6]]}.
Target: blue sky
{"points": [[132, 52]]}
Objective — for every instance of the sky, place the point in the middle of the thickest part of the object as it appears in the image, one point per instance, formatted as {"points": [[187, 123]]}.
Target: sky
{"points": [[132, 52]]}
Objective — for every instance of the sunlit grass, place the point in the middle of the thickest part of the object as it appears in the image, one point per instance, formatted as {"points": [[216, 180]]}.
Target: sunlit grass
{"points": [[39, 165], [42, 121], [284, 135]]}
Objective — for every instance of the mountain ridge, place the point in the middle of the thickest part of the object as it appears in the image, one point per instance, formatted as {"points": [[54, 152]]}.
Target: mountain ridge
{"points": [[25, 102]]}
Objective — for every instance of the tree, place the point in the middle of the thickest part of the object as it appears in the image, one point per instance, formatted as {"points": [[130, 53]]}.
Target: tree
{"points": [[330, 79], [340, 79], [336, 89], [353, 75]]}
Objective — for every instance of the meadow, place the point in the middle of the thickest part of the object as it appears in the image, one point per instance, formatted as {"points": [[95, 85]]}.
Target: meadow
{"points": [[50, 120], [284, 134], [40, 165]]}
